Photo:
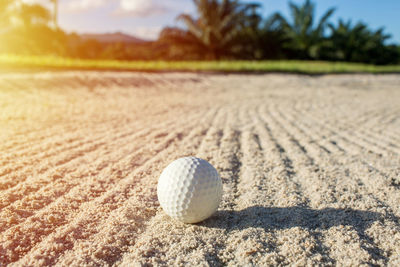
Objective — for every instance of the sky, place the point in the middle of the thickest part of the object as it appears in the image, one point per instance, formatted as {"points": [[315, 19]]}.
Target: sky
{"points": [[146, 18]]}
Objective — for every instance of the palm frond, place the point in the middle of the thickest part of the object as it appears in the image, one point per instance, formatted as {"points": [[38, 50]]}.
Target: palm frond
{"points": [[191, 24], [324, 19]]}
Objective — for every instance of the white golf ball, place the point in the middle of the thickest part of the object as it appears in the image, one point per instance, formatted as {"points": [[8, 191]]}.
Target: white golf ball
{"points": [[189, 189]]}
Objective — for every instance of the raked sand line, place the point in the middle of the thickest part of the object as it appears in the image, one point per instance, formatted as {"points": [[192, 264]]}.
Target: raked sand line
{"points": [[371, 249], [361, 165]]}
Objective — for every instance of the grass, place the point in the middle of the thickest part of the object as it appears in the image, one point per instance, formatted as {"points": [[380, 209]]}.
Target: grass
{"points": [[14, 62]]}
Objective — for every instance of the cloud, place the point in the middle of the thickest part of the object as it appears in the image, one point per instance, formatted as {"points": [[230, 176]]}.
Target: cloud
{"points": [[140, 8], [82, 5]]}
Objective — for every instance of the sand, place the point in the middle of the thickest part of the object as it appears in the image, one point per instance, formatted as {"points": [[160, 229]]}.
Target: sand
{"points": [[310, 168]]}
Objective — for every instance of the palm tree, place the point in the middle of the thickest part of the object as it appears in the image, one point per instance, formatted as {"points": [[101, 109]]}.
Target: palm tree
{"points": [[348, 40], [305, 39], [218, 30], [272, 38], [359, 44]]}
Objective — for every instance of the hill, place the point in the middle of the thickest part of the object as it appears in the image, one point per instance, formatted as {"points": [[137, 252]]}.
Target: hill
{"points": [[117, 37]]}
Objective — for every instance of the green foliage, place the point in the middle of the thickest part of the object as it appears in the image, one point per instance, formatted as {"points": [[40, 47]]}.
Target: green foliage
{"points": [[25, 41], [272, 38], [360, 44], [304, 39], [25, 30], [92, 49], [33, 14]]}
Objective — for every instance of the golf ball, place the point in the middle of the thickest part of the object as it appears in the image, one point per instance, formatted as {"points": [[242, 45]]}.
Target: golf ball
{"points": [[189, 189]]}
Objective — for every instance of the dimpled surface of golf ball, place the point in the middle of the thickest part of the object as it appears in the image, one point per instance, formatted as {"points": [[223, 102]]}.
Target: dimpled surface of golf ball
{"points": [[189, 189]]}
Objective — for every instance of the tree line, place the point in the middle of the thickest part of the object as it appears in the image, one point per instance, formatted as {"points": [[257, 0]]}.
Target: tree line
{"points": [[221, 29]]}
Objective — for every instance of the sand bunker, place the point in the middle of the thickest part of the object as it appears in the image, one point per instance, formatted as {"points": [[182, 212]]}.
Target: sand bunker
{"points": [[310, 167]]}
